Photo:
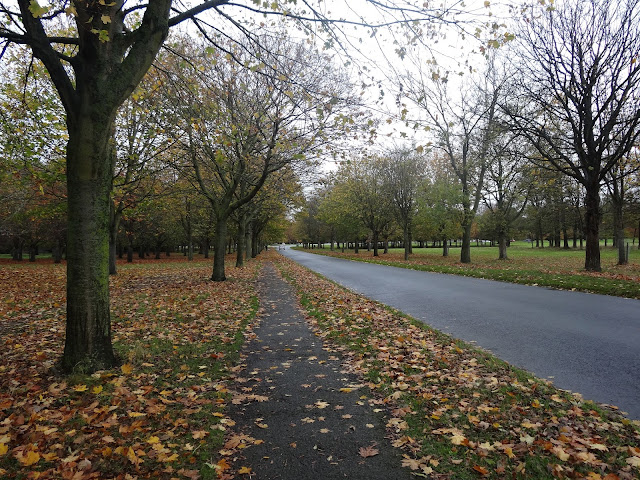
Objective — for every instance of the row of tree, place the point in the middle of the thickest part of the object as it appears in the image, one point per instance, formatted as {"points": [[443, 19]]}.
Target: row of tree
{"points": [[243, 114], [564, 97], [406, 197], [209, 149]]}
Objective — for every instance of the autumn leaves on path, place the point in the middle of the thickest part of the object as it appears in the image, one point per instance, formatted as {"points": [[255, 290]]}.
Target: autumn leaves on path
{"points": [[300, 414]]}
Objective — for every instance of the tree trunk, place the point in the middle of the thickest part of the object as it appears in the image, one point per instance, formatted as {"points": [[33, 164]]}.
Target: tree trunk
{"points": [[618, 226], [219, 248], [241, 243], [406, 238], [57, 251], [248, 244], [375, 244], [114, 225], [502, 246], [465, 252], [89, 175], [445, 248], [592, 227]]}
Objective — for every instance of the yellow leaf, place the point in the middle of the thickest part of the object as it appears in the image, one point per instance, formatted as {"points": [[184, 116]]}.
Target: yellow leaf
{"points": [[131, 455], [3, 449], [560, 453], [152, 440], [29, 459], [457, 439], [96, 390], [105, 19], [136, 414], [244, 470], [80, 388], [127, 368], [170, 458]]}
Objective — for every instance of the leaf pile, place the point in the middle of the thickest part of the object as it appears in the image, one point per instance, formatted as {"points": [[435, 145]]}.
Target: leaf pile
{"points": [[460, 413], [158, 415]]}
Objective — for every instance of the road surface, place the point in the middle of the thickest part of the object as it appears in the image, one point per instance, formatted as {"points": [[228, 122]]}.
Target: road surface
{"points": [[583, 342]]}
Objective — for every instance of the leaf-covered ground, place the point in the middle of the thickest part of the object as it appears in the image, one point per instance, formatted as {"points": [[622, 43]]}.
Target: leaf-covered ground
{"points": [[460, 413], [550, 267], [160, 414], [455, 412]]}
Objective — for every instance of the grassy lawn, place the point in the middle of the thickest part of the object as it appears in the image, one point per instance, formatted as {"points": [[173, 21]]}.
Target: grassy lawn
{"points": [[549, 267]]}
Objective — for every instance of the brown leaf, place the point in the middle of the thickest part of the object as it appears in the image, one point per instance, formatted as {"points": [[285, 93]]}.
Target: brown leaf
{"points": [[369, 451]]}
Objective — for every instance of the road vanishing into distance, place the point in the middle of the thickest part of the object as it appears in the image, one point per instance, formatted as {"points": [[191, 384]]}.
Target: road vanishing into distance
{"points": [[586, 343]]}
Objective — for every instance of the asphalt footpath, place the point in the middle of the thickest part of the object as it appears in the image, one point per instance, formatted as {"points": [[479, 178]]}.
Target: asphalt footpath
{"points": [[308, 416]]}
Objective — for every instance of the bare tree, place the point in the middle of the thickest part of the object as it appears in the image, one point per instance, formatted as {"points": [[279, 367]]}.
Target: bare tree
{"points": [[576, 96], [464, 129], [405, 169], [508, 185]]}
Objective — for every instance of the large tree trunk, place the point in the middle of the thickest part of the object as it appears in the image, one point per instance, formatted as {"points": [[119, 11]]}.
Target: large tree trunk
{"points": [[219, 248], [89, 174], [592, 228], [375, 243]]}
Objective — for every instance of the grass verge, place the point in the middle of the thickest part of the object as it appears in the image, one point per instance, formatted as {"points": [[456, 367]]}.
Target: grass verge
{"points": [[553, 268]]}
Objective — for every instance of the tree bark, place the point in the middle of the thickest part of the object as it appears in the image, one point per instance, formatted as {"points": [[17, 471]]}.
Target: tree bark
{"points": [[502, 246], [375, 244], [89, 175], [240, 252], [592, 228], [219, 248], [114, 225], [248, 244], [465, 251], [57, 252], [407, 241]]}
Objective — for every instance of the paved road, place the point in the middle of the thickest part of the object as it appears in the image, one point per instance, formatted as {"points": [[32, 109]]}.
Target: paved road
{"points": [[585, 343]]}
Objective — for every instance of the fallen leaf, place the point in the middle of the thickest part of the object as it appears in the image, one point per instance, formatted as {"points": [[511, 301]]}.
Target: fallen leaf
{"points": [[481, 470], [127, 368], [369, 451]]}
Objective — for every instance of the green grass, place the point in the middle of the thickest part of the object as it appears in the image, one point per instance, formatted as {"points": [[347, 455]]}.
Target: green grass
{"points": [[548, 267]]}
